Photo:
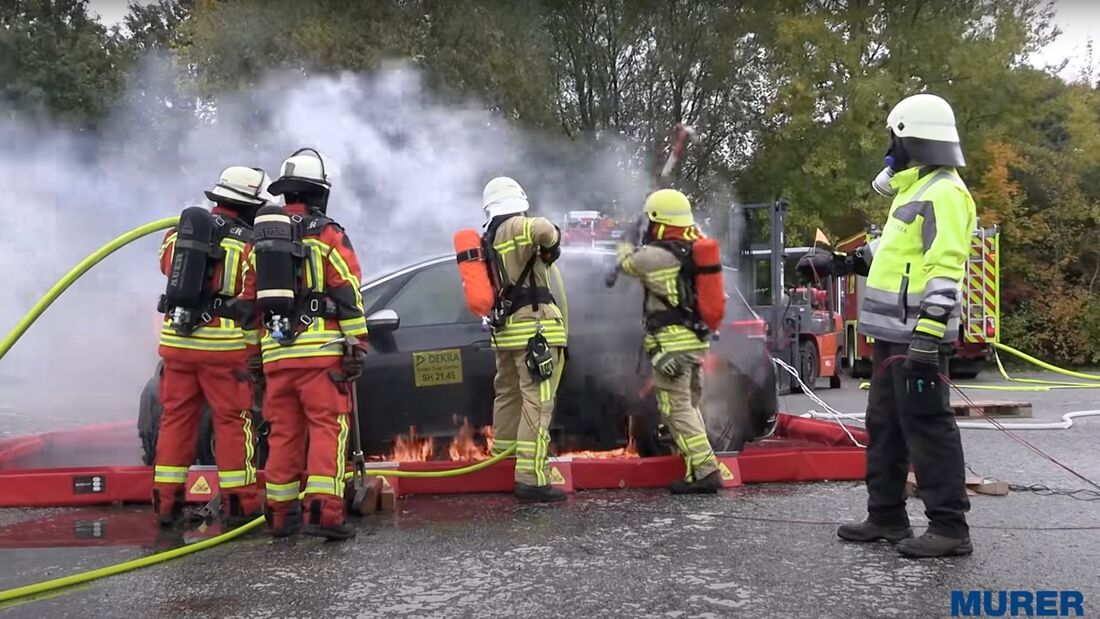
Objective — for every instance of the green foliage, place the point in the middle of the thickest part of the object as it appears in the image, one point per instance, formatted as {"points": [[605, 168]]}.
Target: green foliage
{"points": [[56, 60], [790, 98]]}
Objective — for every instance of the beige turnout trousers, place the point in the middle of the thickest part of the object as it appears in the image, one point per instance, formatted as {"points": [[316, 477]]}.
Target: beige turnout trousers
{"points": [[522, 410], [680, 401]]}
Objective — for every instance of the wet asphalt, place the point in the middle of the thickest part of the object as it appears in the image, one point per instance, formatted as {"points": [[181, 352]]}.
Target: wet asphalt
{"points": [[763, 550]]}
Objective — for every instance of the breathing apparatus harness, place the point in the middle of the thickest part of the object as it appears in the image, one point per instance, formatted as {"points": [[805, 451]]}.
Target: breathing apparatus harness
{"points": [[288, 306], [511, 296], [189, 299], [685, 313]]}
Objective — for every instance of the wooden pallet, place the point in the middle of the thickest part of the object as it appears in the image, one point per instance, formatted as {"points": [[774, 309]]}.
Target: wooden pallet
{"points": [[974, 486], [991, 408]]}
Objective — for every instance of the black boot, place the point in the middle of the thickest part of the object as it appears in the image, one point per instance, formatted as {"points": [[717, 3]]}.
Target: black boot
{"points": [[284, 524], [333, 534], [707, 485], [546, 494], [317, 516], [235, 515], [868, 531], [932, 545], [168, 515]]}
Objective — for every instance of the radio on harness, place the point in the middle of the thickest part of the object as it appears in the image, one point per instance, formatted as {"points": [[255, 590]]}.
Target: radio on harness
{"points": [[287, 305], [189, 300]]}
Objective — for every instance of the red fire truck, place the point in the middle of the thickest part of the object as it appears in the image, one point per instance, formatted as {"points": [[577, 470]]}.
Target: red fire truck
{"points": [[981, 319], [590, 228]]}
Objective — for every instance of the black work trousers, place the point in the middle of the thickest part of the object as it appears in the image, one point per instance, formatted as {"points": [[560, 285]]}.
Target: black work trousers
{"points": [[909, 420]]}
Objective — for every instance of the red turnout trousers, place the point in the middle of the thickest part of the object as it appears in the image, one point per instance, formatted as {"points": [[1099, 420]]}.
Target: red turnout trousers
{"points": [[310, 420], [225, 387]]}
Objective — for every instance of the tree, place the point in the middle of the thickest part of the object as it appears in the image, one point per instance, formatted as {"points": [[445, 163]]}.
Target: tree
{"points": [[56, 61]]}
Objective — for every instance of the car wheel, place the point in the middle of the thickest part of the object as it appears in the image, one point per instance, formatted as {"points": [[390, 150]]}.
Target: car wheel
{"points": [[965, 369], [149, 420]]}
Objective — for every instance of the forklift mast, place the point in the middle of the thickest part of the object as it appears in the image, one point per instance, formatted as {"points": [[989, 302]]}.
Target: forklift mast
{"points": [[796, 333]]}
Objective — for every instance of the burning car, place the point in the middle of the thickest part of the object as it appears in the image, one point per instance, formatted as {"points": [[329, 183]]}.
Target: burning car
{"points": [[428, 381]]}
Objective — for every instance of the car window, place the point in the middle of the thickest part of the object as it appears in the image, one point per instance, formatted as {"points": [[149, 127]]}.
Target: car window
{"points": [[432, 297], [372, 295]]}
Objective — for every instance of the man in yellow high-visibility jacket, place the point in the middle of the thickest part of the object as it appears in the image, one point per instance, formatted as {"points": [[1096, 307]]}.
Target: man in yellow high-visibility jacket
{"points": [[911, 309]]}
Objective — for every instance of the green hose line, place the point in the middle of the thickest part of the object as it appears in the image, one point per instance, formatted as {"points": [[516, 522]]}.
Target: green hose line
{"points": [[48, 586], [560, 283], [63, 284], [1044, 365]]}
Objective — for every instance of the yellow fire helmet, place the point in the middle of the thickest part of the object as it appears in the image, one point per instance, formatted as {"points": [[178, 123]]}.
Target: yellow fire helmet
{"points": [[669, 207]]}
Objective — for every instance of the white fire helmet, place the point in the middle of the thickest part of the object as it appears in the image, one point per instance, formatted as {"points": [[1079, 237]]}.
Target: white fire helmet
{"points": [[302, 172], [503, 196], [241, 185], [925, 125]]}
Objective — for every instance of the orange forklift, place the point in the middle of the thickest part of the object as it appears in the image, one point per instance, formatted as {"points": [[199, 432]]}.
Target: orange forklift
{"points": [[804, 324]]}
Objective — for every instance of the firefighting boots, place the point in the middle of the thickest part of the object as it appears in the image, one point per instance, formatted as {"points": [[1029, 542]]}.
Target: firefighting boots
{"points": [[932, 545], [169, 509], [317, 526], [284, 522], [237, 515], [868, 531], [545, 494], [707, 485]]}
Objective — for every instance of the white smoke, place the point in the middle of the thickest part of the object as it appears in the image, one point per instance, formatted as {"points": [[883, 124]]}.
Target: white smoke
{"points": [[407, 171]]}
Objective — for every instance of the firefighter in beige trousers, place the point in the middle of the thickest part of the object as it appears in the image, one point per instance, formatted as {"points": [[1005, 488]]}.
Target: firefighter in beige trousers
{"points": [[528, 337], [675, 350]]}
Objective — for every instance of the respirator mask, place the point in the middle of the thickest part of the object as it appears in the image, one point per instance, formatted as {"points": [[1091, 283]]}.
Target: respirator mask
{"points": [[896, 160]]}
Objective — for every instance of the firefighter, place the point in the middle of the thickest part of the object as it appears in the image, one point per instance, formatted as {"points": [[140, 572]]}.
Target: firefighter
{"points": [[675, 347], [911, 309], [204, 349], [303, 257], [528, 335]]}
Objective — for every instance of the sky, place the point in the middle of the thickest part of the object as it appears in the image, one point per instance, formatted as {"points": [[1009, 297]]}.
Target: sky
{"points": [[1079, 21]]}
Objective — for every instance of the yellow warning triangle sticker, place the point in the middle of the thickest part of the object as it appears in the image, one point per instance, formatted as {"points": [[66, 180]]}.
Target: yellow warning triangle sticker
{"points": [[727, 474], [556, 478], [200, 486]]}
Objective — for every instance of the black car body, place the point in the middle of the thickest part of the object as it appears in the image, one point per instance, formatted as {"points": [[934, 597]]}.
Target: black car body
{"points": [[430, 363]]}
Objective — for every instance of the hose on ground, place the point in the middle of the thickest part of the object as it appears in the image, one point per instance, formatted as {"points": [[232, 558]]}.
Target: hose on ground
{"points": [[48, 586]]}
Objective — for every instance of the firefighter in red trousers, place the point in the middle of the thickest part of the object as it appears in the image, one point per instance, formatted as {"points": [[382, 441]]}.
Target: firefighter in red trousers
{"points": [[204, 349], [303, 277]]}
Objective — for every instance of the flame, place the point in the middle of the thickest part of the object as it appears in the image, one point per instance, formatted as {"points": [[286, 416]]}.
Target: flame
{"points": [[630, 451], [465, 448], [412, 448]]}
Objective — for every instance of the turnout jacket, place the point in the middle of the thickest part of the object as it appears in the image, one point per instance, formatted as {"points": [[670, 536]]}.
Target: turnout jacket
{"points": [[517, 240]]}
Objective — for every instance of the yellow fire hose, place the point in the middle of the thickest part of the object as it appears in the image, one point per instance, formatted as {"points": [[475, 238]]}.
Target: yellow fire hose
{"points": [[48, 586], [1032, 384], [63, 284]]}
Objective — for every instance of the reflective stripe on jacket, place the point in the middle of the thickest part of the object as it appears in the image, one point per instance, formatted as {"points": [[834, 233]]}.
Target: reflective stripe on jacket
{"points": [[920, 259], [220, 335], [659, 271], [331, 268], [517, 240]]}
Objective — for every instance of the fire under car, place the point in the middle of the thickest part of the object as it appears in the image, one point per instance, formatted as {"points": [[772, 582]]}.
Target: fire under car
{"points": [[430, 368]]}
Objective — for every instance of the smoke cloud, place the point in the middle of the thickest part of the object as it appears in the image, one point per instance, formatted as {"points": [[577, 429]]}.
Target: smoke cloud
{"points": [[407, 170]]}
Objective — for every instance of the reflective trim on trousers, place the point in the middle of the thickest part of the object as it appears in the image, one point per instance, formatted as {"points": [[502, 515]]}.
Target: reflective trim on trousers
{"points": [[533, 456], [700, 453], [324, 484], [163, 474], [233, 479], [500, 445], [283, 492]]}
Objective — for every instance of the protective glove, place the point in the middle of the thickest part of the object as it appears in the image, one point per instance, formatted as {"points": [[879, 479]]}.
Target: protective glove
{"points": [[669, 363], [352, 362], [256, 369], [924, 349], [818, 263]]}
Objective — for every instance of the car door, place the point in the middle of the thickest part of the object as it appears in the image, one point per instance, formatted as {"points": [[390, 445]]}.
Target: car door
{"points": [[435, 368]]}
